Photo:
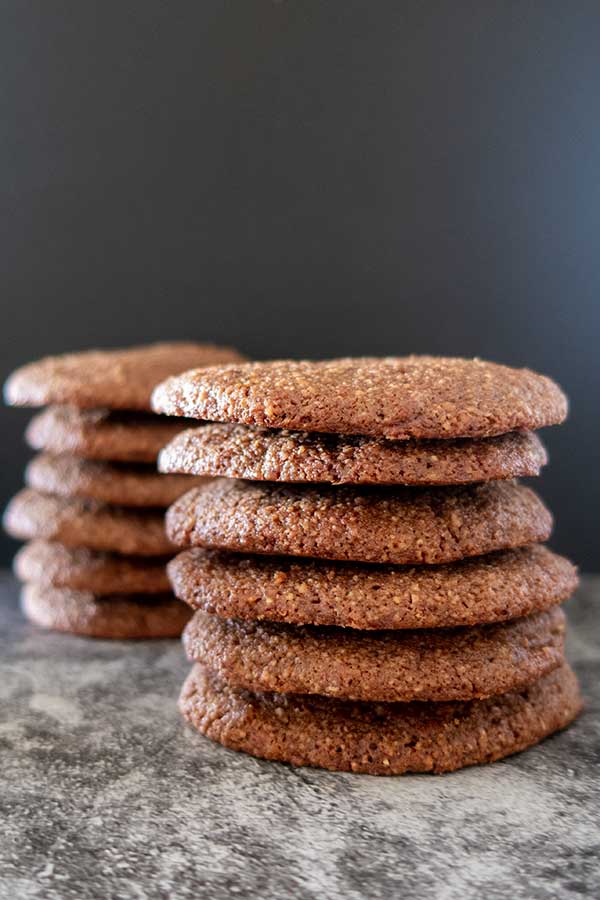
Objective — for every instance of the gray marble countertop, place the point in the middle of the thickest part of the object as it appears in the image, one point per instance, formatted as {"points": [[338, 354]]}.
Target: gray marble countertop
{"points": [[106, 794]]}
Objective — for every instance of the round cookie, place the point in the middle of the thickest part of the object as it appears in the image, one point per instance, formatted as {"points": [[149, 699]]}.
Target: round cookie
{"points": [[53, 565], [126, 484], [403, 525], [118, 379], [378, 738], [393, 397], [492, 588], [260, 454], [101, 433], [117, 616], [86, 523], [390, 666]]}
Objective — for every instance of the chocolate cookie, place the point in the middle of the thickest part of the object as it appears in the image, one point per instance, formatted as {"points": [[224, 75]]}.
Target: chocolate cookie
{"points": [[445, 664], [54, 565], [395, 397], [102, 434], [116, 616], [86, 523], [379, 738], [400, 525], [128, 484], [260, 454], [118, 379], [490, 588]]}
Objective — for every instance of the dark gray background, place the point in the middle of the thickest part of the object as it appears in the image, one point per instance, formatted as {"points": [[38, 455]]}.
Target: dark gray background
{"points": [[310, 179]]}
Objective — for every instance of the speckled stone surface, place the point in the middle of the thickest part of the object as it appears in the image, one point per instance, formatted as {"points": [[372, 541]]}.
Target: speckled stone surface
{"points": [[105, 793]]}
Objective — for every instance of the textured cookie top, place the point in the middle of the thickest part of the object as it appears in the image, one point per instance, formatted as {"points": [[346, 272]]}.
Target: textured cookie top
{"points": [[378, 738], [260, 454], [125, 484], [490, 588], [395, 397], [391, 666], [117, 616], [118, 379], [391, 525], [86, 523], [102, 433], [51, 564]]}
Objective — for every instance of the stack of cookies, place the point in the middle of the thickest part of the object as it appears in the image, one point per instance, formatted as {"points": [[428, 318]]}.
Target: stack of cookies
{"points": [[371, 587], [93, 508]]}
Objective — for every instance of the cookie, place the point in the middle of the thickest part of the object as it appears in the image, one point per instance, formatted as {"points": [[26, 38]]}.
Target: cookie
{"points": [[54, 565], [399, 525], [127, 484], [379, 738], [391, 666], [117, 616], [260, 454], [492, 588], [101, 433], [86, 523], [394, 397], [118, 379]]}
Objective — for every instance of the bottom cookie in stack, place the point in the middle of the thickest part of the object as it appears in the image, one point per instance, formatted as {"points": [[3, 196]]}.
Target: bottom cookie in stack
{"points": [[379, 738], [382, 694], [116, 616]]}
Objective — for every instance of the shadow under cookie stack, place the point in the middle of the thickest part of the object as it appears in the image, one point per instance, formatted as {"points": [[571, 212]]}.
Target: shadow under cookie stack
{"points": [[371, 589], [93, 509]]}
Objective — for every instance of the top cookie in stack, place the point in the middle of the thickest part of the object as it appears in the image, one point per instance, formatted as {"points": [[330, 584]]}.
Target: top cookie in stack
{"points": [[93, 509], [400, 498]]}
